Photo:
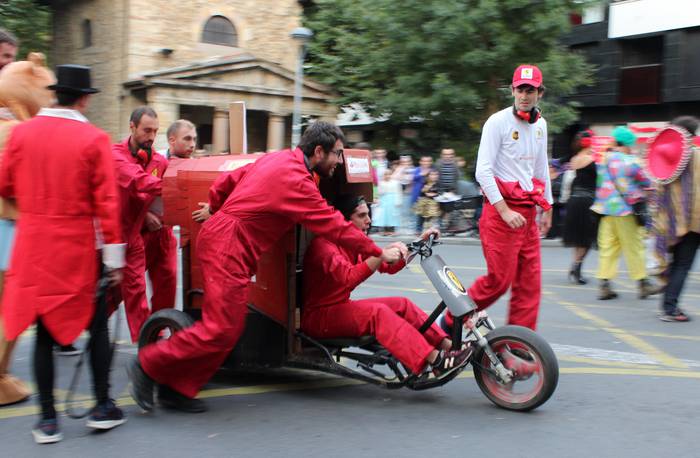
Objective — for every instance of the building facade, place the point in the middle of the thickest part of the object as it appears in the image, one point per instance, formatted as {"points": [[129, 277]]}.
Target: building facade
{"points": [[190, 60], [647, 64]]}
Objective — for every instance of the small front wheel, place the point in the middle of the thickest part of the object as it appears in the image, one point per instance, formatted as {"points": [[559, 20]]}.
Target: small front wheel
{"points": [[163, 324], [531, 360]]}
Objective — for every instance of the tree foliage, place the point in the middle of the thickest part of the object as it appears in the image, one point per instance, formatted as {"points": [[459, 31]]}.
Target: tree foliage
{"points": [[446, 62], [30, 22]]}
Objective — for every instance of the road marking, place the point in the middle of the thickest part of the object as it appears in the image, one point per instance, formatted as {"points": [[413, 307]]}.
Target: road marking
{"points": [[399, 288], [661, 335], [632, 340], [14, 412], [609, 357], [624, 371], [17, 412]]}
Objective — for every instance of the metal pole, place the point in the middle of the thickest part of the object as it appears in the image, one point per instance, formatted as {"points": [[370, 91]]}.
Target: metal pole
{"points": [[298, 84]]}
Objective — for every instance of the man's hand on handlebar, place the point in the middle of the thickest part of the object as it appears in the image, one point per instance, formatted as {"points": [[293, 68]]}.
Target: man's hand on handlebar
{"points": [[428, 232], [402, 248], [202, 214], [391, 254]]}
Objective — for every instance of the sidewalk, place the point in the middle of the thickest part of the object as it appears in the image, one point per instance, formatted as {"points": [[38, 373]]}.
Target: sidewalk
{"points": [[452, 240]]}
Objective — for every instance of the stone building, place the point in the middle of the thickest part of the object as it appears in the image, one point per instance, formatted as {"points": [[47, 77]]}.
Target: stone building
{"points": [[190, 59]]}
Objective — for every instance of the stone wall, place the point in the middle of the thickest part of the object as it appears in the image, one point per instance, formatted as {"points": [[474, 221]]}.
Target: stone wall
{"points": [[128, 36], [263, 28], [105, 55]]}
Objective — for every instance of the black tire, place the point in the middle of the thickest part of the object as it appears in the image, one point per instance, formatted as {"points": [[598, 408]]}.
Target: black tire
{"points": [[532, 349], [166, 319]]}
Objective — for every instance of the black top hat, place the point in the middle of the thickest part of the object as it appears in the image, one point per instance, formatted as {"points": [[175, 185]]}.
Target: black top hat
{"points": [[73, 79]]}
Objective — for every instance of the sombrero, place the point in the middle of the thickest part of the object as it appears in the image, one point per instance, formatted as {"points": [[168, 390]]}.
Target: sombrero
{"points": [[669, 154]]}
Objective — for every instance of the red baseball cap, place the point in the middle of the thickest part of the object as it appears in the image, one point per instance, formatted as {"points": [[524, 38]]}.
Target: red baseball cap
{"points": [[527, 74]]}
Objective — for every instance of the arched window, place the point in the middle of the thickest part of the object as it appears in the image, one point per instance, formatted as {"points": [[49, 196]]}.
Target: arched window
{"points": [[219, 31], [87, 33]]}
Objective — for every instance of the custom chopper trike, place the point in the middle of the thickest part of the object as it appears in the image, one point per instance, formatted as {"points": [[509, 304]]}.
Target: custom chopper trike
{"points": [[514, 367]]}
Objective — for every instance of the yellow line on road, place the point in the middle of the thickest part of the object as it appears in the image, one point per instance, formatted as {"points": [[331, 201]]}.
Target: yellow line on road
{"points": [[632, 340], [399, 288], [17, 412], [661, 335], [623, 371]]}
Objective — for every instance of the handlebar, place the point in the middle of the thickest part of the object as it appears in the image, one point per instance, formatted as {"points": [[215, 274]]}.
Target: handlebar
{"points": [[421, 247]]}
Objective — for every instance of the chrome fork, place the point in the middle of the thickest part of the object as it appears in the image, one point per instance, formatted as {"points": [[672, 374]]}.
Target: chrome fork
{"points": [[472, 324]]}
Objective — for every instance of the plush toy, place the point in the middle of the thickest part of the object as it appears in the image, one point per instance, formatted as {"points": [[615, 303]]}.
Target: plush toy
{"points": [[23, 92]]}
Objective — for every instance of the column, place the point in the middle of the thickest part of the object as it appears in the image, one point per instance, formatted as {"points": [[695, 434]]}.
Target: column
{"points": [[275, 132], [220, 131]]}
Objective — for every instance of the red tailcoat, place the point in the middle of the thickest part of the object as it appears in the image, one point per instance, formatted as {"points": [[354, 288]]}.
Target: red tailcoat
{"points": [[261, 202], [61, 173]]}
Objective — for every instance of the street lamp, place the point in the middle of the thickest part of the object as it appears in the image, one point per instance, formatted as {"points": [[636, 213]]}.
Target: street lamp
{"points": [[302, 35]]}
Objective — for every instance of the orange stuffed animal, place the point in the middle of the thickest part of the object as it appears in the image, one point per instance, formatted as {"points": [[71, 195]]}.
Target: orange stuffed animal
{"points": [[23, 92]]}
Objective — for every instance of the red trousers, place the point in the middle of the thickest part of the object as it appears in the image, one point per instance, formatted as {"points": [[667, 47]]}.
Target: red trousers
{"points": [[161, 264], [512, 261], [187, 360], [157, 252], [394, 321]]}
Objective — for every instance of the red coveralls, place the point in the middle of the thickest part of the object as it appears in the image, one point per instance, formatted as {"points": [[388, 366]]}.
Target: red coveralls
{"points": [[512, 255], [161, 258], [271, 195], [330, 275], [138, 186]]}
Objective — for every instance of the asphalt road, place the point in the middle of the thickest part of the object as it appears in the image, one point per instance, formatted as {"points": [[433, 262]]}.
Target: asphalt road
{"points": [[628, 387]]}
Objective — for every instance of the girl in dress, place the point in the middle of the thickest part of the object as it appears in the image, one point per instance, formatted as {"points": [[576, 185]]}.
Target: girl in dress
{"points": [[426, 207]]}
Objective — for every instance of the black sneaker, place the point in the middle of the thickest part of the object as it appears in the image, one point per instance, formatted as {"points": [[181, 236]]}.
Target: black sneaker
{"points": [[47, 432], [171, 399], [67, 350], [105, 416], [141, 386], [452, 360]]}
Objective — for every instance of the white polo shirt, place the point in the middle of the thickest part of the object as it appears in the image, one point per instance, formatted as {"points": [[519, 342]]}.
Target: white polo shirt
{"points": [[512, 150]]}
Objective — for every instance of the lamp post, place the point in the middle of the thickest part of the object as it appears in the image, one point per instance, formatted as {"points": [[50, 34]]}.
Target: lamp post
{"points": [[302, 35]]}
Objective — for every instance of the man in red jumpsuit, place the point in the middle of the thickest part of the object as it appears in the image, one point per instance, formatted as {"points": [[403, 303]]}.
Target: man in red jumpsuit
{"points": [[139, 170], [59, 169], [160, 245], [513, 171], [265, 200], [333, 272]]}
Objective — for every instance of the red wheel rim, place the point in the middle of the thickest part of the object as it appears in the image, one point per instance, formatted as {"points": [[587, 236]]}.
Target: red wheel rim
{"points": [[526, 364]]}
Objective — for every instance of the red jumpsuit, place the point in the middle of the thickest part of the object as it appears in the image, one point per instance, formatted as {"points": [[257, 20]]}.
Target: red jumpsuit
{"points": [[138, 186], [60, 170], [331, 273], [265, 200], [161, 258], [512, 255]]}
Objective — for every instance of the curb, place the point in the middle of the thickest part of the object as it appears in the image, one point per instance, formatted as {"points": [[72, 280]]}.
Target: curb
{"points": [[455, 240]]}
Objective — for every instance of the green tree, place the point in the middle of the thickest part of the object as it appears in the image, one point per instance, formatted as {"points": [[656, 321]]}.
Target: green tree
{"points": [[445, 62], [30, 22]]}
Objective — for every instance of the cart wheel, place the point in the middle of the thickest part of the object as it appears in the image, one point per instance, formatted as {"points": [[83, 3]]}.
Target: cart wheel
{"points": [[163, 324], [534, 365]]}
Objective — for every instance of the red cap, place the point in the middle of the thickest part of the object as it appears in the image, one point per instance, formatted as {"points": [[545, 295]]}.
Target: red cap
{"points": [[527, 74]]}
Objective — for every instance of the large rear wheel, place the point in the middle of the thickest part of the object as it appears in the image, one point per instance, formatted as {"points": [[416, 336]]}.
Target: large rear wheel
{"points": [[531, 360], [162, 325]]}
